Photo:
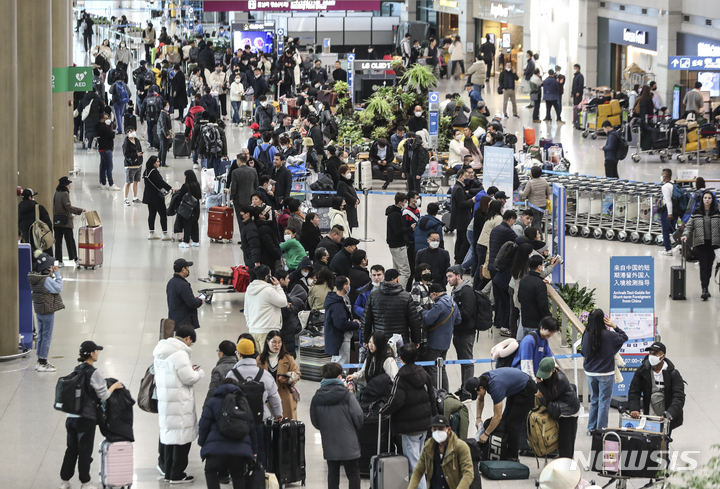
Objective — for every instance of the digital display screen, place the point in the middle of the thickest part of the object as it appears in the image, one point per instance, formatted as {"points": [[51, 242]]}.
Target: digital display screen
{"points": [[259, 41], [710, 82]]}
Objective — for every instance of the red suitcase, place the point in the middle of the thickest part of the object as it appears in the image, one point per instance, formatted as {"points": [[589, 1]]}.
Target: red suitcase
{"points": [[90, 247], [220, 223]]}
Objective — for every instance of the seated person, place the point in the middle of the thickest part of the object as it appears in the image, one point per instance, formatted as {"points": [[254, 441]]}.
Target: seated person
{"points": [[381, 157]]}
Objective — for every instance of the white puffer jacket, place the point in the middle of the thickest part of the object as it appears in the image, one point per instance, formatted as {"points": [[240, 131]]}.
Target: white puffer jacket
{"points": [[457, 52], [263, 302], [175, 380], [236, 92]]}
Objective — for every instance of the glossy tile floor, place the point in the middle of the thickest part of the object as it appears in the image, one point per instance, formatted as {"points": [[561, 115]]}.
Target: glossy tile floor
{"points": [[120, 304]]}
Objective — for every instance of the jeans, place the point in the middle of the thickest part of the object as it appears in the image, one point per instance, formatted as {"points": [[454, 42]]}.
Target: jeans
{"points": [[509, 93], [352, 471], [401, 264], [164, 147], [106, 167], [236, 109], [69, 236], [119, 114], [343, 355], [219, 466], [601, 389], [45, 331], [516, 410], [176, 461], [203, 160], [537, 218], [706, 256], [668, 228], [463, 343], [412, 446], [453, 64], [469, 261], [151, 133], [536, 110], [430, 356], [478, 89], [80, 446], [89, 130], [152, 212]]}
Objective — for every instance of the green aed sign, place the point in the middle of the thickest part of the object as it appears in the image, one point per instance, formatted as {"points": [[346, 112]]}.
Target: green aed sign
{"points": [[72, 79]]}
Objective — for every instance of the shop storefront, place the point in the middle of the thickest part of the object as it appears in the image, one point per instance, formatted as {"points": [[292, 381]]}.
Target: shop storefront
{"points": [[626, 54], [448, 18], [504, 22]]}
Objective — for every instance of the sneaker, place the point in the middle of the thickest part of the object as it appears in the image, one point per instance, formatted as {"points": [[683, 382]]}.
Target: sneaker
{"points": [[516, 116], [166, 236], [60, 264], [88, 485], [159, 469], [195, 166], [101, 186], [65, 485], [185, 480], [505, 332], [127, 202], [537, 121], [506, 116], [45, 367], [677, 248], [152, 235], [137, 201], [183, 245], [547, 120], [195, 245], [666, 252], [114, 188], [560, 121]]}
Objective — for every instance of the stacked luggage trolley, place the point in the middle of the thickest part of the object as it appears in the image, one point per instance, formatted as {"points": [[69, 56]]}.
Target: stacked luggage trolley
{"points": [[700, 142], [666, 137]]}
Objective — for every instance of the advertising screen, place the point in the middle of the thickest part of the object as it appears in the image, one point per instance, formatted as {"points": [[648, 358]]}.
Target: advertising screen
{"points": [[259, 41], [711, 82]]}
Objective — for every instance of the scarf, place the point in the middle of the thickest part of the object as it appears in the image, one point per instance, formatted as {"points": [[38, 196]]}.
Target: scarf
{"points": [[325, 382]]}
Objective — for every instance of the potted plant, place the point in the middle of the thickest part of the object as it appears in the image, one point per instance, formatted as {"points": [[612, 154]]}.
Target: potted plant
{"points": [[580, 300]]}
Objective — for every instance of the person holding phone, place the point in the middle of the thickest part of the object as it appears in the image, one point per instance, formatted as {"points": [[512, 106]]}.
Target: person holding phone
{"points": [[182, 303], [281, 365], [264, 300]]}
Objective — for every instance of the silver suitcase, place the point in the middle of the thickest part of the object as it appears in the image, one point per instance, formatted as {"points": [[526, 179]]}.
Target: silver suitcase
{"points": [[388, 470]]}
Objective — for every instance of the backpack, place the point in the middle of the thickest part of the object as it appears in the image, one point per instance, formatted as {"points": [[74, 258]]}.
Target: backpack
{"points": [[622, 149], [235, 419], [254, 391], [331, 129], [71, 391], [121, 93], [187, 207], [483, 311], [152, 109], [542, 432], [41, 233], [145, 399], [505, 256], [680, 200], [264, 155], [211, 138]]}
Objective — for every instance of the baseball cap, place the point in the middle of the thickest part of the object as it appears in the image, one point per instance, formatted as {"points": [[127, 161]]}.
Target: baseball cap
{"points": [[27, 193], [181, 263], [89, 347], [456, 269], [657, 346], [440, 420], [471, 386], [391, 274], [500, 195], [547, 365]]}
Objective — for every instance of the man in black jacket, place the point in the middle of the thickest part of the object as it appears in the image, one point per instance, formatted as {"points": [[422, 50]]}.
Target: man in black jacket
{"points": [[106, 142], [249, 237], [533, 296], [395, 237], [487, 51], [341, 262], [26, 216], [359, 274], [412, 405], [464, 333], [501, 234], [381, 158], [318, 74], [461, 211], [390, 309], [332, 243], [415, 159], [206, 56], [315, 133], [182, 303], [436, 257], [657, 372], [610, 149], [578, 85], [283, 180]]}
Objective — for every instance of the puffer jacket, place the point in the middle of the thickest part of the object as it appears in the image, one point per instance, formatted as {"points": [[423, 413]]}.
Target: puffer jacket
{"points": [[339, 218], [338, 416], [427, 225], [270, 246], [212, 441], [263, 302], [390, 309], [457, 463], [563, 404], [695, 228], [337, 322], [412, 403], [218, 374], [44, 302], [642, 386], [175, 379]]}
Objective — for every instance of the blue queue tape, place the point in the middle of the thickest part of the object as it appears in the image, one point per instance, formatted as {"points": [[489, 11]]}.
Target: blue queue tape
{"points": [[461, 362]]}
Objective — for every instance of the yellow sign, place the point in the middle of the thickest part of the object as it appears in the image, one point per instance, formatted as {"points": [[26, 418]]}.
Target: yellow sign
{"points": [[449, 3]]}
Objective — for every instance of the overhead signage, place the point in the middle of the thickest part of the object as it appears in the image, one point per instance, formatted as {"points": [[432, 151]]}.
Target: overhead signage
{"points": [[694, 63], [351, 78], [72, 79], [635, 37], [512, 11], [630, 34], [448, 3], [291, 5], [259, 26], [707, 49], [691, 45], [497, 10]]}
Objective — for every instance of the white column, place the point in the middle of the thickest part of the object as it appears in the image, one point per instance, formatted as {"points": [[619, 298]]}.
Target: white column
{"points": [[587, 42], [669, 23]]}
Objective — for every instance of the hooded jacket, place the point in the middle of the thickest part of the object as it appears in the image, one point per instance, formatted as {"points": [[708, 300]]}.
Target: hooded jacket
{"points": [[337, 322], [464, 297], [395, 235], [337, 415], [263, 302], [390, 309], [182, 303], [175, 379], [412, 403], [117, 424], [427, 225], [457, 464], [643, 383], [212, 441], [563, 404], [440, 322]]}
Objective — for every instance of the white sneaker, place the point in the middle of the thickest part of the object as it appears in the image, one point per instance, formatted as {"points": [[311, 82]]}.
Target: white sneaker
{"points": [[101, 186], [127, 202], [666, 252], [152, 235], [166, 237], [183, 245], [195, 245], [137, 201], [65, 485], [114, 188], [195, 166], [60, 264], [88, 485], [160, 470], [45, 367]]}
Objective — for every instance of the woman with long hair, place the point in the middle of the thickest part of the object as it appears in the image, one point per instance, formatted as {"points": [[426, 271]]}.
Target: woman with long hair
{"points": [[420, 293], [519, 270], [189, 226], [379, 360], [455, 159], [493, 217], [561, 401], [323, 286], [703, 229], [457, 57], [338, 215], [599, 346], [154, 197], [284, 370], [346, 190]]}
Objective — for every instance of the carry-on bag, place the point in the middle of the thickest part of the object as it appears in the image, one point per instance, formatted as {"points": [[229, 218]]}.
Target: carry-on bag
{"points": [[220, 223], [678, 279], [627, 452], [285, 450], [220, 275], [116, 464], [181, 148], [90, 247], [388, 470], [167, 328], [504, 470]]}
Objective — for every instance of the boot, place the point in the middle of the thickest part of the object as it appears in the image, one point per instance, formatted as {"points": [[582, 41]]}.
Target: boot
{"points": [[705, 293]]}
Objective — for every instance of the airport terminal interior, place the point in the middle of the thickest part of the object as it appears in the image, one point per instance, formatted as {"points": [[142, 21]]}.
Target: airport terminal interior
{"points": [[119, 305]]}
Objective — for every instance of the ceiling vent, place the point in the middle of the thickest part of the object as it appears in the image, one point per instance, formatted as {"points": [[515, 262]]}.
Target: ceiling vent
{"points": [[644, 11], [686, 18], [622, 7]]}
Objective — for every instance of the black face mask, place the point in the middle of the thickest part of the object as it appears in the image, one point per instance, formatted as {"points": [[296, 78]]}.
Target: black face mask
{"points": [[427, 277]]}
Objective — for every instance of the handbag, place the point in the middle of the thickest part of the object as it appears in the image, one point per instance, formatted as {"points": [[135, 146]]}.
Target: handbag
{"points": [[86, 110], [166, 195], [500, 90]]}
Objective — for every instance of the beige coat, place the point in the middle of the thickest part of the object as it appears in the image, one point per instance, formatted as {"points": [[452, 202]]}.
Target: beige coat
{"points": [[286, 366], [536, 192], [484, 238]]}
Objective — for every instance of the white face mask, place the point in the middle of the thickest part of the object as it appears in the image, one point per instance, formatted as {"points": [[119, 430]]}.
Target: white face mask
{"points": [[304, 273], [434, 244], [264, 104], [348, 176], [418, 114], [418, 202], [440, 436], [507, 69], [132, 134], [287, 237], [344, 160], [108, 122], [458, 137], [654, 360]]}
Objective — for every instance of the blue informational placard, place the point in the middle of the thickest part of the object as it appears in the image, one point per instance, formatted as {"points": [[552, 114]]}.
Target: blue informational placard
{"points": [[557, 220], [695, 63], [498, 170], [25, 295], [433, 123], [351, 77], [632, 309], [280, 41], [434, 97]]}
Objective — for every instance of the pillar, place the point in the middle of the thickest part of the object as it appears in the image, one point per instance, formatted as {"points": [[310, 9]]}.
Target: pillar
{"points": [[669, 23], [587, 43], [466, 29], [408, 13], [62, 123], [35, 138], [8, 200]]}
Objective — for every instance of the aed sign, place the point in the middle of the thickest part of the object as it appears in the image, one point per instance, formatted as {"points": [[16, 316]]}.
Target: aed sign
{"points": [[72, 79], [635, 37]]}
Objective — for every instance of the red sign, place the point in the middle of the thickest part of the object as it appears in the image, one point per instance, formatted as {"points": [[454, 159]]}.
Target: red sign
{"points": [[290, 5]]}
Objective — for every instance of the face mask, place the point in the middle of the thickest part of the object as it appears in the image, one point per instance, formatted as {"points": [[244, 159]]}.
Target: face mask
{"points": [[286, 237], [440, 436], [418, 114], [304, 273], [458, 137], [167, 109], [348, 176], [264, 104], [507, 69], [654, 361], [418, 202], [344, 160], [122, 45], [488, 138], [434, 244], [427, 277], [311, 281], [132, 134], [108, 121]]}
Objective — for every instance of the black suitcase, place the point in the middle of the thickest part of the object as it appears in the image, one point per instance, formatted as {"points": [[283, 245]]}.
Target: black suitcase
{"points": [[285, 450], [641, 453], [678, 279], [368, 437], [181, 148]]}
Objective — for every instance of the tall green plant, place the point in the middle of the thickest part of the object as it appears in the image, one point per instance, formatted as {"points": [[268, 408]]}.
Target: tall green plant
{"points": [[419, 77], [378, 108]]}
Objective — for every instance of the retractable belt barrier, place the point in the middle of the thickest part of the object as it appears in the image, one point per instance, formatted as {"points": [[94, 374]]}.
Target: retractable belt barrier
{"points": [[461, 362]]}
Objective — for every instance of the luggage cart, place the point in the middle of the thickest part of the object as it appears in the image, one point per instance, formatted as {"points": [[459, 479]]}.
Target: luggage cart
{"points": [[663, 151], [592, 216], [246, 109], [590, 112], [682, 139], [701, 145]]}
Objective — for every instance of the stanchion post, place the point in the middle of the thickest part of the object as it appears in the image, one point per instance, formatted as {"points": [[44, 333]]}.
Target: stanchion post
{"points": [[365, 238]]}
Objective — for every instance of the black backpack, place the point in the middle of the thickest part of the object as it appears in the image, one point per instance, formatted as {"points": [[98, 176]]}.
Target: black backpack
{"points": [[483, 311], [236, 420], [622, 149], [211, 138], [264, 155], [254, 391], [505, 256], [71, 391], [152, 109]]}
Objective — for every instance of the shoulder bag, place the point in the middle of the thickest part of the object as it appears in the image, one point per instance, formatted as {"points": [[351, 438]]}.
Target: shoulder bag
{"points": [[164, 194]]}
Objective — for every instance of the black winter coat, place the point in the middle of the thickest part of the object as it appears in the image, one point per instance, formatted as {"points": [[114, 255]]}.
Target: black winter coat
{"points": [[283, 184], [642, 386], [346, 190], [290, 324], [117, 422], [130, 152], [337, 414], [412, 403], [251, 247], [206, 57], [106, 137], [415, 160], [501, 234], [359, 277], [97, 106], [395, 234], [182, 303], [391, 310], [332, 165], [533, 298], [269, 244], [331, 246], [315, 133], [464, 297], [178, 94], [439, 261], [153, 182], [461, 208], [310, 237], [565, 402], [341, 264], [26, 217]]}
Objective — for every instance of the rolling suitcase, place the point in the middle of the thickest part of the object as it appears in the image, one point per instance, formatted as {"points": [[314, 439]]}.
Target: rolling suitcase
{"points": [[220, 222], [678, 277], [285, 450], [363, 175], [388, 470], [90, 247], [116, 464], [368, 437], [181, 148], [167, 328]]}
